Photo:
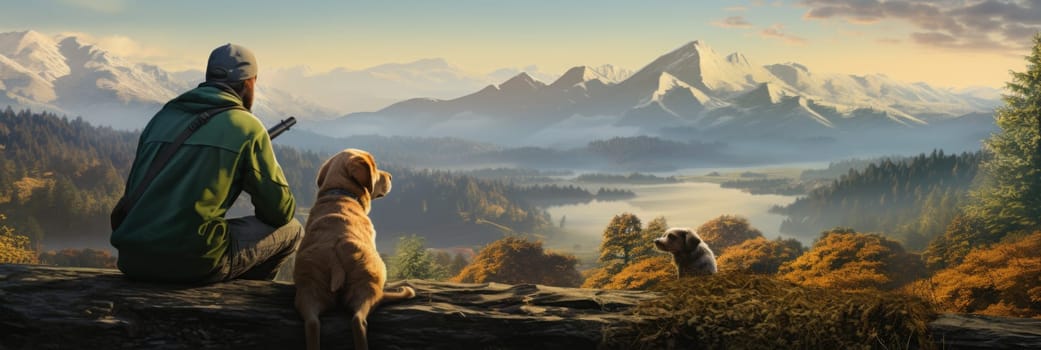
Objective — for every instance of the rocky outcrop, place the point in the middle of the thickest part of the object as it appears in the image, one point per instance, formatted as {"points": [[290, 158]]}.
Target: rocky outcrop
{"points": [[62, 308], [986, 332], [71, 308]]}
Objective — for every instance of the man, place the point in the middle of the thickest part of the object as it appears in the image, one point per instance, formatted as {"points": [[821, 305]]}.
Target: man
{"points": [[176, 230]]}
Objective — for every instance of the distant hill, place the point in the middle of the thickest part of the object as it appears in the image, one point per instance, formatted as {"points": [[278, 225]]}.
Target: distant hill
{"points": [[910, 199], [637, 153], [61, 177]]}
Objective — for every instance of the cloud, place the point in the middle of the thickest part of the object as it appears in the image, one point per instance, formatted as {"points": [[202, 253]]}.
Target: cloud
{"points": [[735, 8], [104, 6], [776, 31], [990, 25], [733, 22]]}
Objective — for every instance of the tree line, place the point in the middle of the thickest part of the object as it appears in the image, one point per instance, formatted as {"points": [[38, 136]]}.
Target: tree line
{"points": [[911, 199], [60, 178]]}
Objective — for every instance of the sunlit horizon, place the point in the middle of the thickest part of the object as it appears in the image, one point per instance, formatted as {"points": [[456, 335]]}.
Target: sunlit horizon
{"points": [[549, 37]]}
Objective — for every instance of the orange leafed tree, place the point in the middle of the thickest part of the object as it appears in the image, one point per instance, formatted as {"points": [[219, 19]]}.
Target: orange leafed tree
{"points": [[759, 255], [624, 243], [14, 248], [847, 260], [514, 260], [727, 231], [1002, 280]]}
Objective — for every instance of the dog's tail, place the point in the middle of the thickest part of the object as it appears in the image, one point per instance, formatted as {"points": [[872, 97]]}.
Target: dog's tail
{"points": [[404, 293]]}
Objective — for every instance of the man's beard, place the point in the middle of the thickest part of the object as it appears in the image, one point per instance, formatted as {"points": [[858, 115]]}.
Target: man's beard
{"points": [[247, 99]]}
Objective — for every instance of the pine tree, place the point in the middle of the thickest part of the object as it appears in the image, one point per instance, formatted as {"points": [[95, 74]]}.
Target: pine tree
{"points": [[621, 243], [458, 263], [412, 260], [655, 229], [1009, 199]]}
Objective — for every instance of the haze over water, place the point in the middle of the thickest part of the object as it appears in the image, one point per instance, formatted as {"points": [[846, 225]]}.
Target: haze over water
{"points": [[687, 204]]}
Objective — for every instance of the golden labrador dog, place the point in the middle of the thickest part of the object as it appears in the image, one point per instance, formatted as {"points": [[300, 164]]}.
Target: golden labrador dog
{"points": [[337, 261]]}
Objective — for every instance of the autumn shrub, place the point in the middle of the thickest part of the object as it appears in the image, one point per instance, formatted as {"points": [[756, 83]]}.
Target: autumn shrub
{"points": [[733, 310], [597, 278], [963, 234], [759, 255], [79, 258], [625, 243], [847, 260], [643, 274], [515, 260], [726, 231], [14, 248], [1001, 280]]}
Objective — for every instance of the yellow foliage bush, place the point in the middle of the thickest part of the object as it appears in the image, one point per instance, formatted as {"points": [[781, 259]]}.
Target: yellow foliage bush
{"points": [[514, 260], [749, 311], [726, 231], [644, 274], [597, 278], [851, 261], [14, 248], [1001, 280], [759, 255]]}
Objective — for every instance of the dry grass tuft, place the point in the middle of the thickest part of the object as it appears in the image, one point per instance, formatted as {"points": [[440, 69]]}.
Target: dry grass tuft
{"points": [[746, 311]]}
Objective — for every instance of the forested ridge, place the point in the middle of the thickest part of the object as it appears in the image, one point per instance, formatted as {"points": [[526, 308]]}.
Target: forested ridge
{"points": [[911, 199], [60, 178]]}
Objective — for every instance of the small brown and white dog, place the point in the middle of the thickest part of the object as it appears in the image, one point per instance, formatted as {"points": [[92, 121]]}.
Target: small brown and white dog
{"points": [[689, 252], [337, 261]]}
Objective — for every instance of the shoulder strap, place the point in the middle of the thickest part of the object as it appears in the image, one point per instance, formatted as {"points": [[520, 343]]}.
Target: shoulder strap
{"points": [[166, 151]]}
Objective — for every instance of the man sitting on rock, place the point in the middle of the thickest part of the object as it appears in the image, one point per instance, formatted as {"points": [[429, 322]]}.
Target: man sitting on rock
{"points": [[170, 226]]}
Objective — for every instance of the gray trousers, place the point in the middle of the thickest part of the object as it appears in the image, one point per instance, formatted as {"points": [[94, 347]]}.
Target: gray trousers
{"points": [[257, 250]]}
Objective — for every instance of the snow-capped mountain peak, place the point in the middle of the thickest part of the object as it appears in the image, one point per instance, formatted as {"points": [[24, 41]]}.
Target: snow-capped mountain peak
{"points": [[765, 94], [668, 83], [36, 52], [701, 66], [611, 73], [521, 83], [578, 75], [68, 75]]}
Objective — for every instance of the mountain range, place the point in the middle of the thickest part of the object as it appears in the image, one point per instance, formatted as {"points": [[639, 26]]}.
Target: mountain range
{"points": [[65, 75], [691, 90], [689, 93], [69, 75]]}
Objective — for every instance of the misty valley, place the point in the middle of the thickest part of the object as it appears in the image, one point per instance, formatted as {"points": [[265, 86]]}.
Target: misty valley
{"points": [[824, 203]]}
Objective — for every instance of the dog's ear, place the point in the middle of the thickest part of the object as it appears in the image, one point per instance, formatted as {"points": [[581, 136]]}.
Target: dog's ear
{"points": [[323, 171], [362, 169], [691, 241]]}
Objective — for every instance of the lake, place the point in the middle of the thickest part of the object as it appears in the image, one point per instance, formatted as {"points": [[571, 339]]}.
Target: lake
{"points": [[687, 204]]}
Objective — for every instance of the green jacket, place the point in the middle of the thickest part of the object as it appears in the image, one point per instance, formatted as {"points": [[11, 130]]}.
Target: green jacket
{"points": [[177, 231]]}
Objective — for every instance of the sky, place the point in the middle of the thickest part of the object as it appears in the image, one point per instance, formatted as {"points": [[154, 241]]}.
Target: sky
{"points": [[947, 43]]}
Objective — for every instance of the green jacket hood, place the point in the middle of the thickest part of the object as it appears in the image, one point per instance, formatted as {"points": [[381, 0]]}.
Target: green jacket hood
{"points": [[205, 97]]}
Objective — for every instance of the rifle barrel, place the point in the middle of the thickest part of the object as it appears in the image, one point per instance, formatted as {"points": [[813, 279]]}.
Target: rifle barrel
{"points": [[281, 127]]}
